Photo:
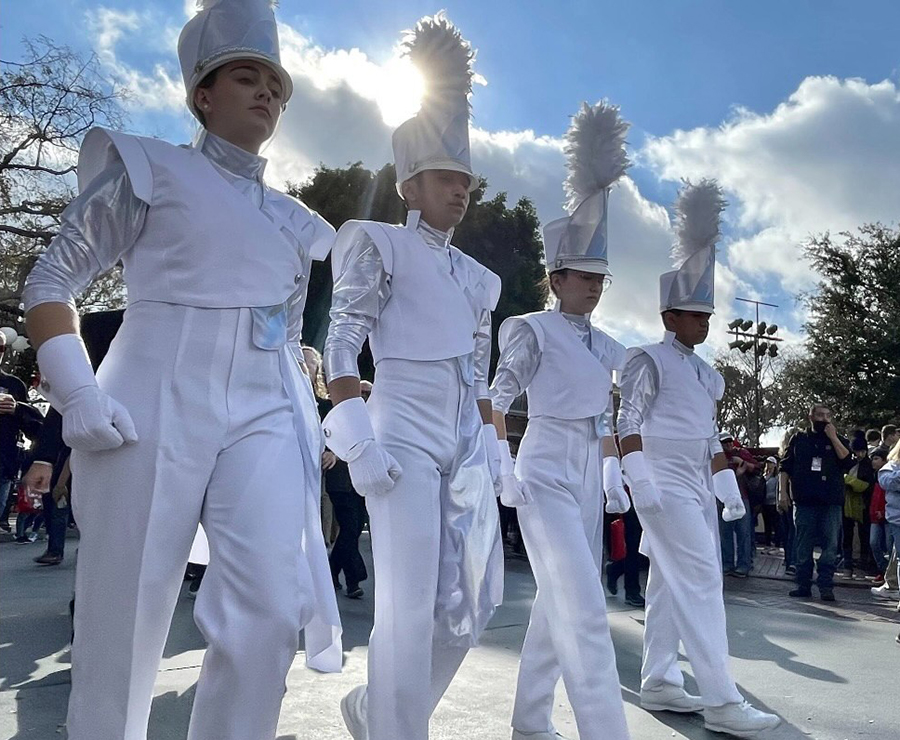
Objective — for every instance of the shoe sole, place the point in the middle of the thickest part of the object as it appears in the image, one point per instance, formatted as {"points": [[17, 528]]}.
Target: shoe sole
{"points": [[739, 733], [651, 707], [350, 723]]}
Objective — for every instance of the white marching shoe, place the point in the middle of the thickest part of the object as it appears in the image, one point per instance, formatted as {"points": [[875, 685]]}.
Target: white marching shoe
{"points": [[669, 698], [517, 735], [354, 708], [739, 719]]}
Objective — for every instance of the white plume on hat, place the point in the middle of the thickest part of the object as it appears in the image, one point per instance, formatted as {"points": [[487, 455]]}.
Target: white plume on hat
{"points": [[698, 213], [437, 137], [596, 158]]}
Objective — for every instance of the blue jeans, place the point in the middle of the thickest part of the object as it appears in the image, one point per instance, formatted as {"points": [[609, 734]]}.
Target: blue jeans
{"points": [[742, 530], [880, 544], [57, 521], [5, 488], [787, 535], [822, 525], [894, 534]]}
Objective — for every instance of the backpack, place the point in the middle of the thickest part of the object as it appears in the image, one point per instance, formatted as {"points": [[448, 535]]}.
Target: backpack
{"points": [[756, 488]]}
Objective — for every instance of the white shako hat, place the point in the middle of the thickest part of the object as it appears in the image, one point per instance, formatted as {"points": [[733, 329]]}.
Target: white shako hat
{"points": [[698, 214], [224, 31], [437, 137], [595, 150]]}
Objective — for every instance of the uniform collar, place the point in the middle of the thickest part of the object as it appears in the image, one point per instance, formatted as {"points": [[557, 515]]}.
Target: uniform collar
{"points": [[669, 338], [433, 237], [230, 157]]}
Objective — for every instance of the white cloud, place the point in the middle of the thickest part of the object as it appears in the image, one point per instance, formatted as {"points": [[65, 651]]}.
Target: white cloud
{"points": [[160, 90], [824, 160]]}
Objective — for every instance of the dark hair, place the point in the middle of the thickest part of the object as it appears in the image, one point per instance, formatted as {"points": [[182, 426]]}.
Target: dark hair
{"points": [[873, 435], [881, 452], [206, 83], [887, 430], [545, 284]]}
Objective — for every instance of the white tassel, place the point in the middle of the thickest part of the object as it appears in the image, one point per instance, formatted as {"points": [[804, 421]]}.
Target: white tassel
{"points": [[595, 149], [441, 54], [698, 212]]}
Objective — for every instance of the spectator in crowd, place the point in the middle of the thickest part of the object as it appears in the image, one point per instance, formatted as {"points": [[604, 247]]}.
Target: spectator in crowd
{"points": [[348, 506], [889, 478], [13, 397], [786, 508], [815, 464], [630, 565], [738, 561], [873, 439], [880, 542], [858, 484], [771, 521], [49, 471], [890, 435]]}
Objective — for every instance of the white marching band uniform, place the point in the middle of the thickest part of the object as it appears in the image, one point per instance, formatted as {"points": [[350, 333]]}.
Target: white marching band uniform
{"points": [[425, 307], [669, 397], [566, 367], [216, 264]]}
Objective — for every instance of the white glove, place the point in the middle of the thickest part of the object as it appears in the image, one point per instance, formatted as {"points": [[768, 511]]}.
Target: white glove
{"points": [[492, 449], [92, 421], [725, 488], [646, 498], [349, 435], [617, 501], [512, 492]]}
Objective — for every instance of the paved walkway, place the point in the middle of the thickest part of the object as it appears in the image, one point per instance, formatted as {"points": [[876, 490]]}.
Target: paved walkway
{"points": [[829, 669]]}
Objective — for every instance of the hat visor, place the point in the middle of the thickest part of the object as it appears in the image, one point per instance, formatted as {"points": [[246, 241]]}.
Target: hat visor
{"points": [[443, 164], [287, 84], [598, 267], [694, 307]]}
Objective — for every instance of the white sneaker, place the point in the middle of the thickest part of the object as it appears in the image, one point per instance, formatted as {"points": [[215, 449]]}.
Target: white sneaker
{"points": [[739, 719], [354, 708], [516, 735], [885, 592], [669, 698]]}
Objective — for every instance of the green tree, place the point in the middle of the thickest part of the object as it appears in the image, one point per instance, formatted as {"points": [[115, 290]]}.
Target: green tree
{"points": [[504, 239], [853, 329]]}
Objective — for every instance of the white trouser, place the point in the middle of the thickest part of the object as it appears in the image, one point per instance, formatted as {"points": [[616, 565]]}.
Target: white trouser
{"points": [[427, 418], [560, 463], [684, 590], [217, 445]]}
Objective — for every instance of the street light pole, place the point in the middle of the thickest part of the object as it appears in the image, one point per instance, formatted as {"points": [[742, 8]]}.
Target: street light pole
{"points": [[762, 341]]}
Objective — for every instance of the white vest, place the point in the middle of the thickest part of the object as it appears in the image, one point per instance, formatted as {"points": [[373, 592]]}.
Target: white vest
{"points": [[428, 315], [570, 381], [685, 407], [205, 244]]}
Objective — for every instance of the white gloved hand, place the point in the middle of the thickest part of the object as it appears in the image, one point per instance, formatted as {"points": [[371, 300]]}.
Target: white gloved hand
{"points": [[512, 492], [617, 501], [725, 488], [349, 435], [92, 421], [373, 469], [492, 449], [646, 498], [733, 513]]}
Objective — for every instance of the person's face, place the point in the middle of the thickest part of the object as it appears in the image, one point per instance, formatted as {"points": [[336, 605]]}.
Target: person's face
{"points": [[891, 440], [878, 463], [441, 195], [578, 291], [728, 446], [691, 327], [821, 414], [770, 469], [244, 103], [860, 454]]}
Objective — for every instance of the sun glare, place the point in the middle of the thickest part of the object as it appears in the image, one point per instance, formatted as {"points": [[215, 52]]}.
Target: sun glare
{"points": [[400, 92]]}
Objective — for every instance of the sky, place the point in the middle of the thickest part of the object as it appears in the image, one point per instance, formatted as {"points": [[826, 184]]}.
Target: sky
{"points": [[794, 108]]}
